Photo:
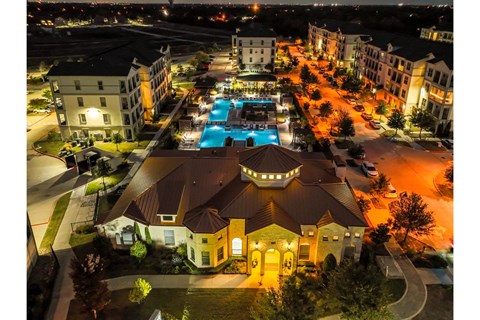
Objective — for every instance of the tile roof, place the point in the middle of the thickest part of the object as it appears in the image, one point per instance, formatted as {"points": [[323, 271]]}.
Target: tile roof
{"points": [[204, 220], [270, 158], [270, 214]]}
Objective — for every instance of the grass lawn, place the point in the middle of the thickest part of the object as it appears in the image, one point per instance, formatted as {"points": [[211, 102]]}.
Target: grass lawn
{"points": [[431, 145], [124, 148], [202, 304], [185, 85], [110, 181], [390, 134], [55, 221], [81, 239], [439, 303], [52, 147], [397, 288]]}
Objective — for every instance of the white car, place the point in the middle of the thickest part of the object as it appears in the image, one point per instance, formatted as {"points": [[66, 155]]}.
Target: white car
{"points": [[391, 192], [352, 101], [376, 124], [369, 169], [41, 111]]}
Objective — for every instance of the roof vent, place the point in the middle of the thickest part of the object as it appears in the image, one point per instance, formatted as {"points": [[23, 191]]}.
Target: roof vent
{"points": [[319, 180], [221, 183], [194, 182]]}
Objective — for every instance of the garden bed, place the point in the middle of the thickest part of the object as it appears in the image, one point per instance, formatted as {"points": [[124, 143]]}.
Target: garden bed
{"points": [[110, 181], [55, 221]]}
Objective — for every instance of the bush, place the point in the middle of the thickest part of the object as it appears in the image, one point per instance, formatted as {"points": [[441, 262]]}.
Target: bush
{"points": [[429, 261], [237, 266], [410, 252], [356, 151], [53, 136], [85, 229]]}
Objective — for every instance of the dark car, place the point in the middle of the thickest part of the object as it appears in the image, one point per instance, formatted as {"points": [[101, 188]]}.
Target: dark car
{"points": [[448, 143], [359, 108], [335, 85], [367, 116]]}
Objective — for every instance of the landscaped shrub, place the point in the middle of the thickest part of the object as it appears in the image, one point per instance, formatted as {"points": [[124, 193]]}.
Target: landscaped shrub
{"points": [[237, 266], [429, 261], [148, 237], [85, 229], [177, 260]]}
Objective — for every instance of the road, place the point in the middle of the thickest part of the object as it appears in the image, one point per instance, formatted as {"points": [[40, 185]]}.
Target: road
{"points": [[410, 169]]}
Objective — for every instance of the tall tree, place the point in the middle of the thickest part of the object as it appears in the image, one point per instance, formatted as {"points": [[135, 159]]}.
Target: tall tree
{"points": [[117, 138], [396, 120], [47, 94], [295, 299], [141, 289], [305, 74], [422, 119], [410, 214], [359, 292], [381, 109], [88, 288], [345, 124], [103, 170], [326, 109], [351, 83], [380, 234], [379, 186], [316, 95]]}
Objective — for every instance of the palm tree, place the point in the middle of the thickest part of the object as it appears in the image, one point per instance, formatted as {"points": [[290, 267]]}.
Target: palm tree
{"points": [[379, 185]]}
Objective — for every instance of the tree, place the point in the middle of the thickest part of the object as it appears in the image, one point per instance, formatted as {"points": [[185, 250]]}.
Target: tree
{"points": [[295, 299], [38, 103], [295, 61], [366, 94], [53, 135], [148, 237], [359, 292], [330, 66], [242, 66], [138, 250], [449, 174], [193, 62], [269, 67], [89, 289], [201, 56], [379, 186], [117, 138], [316, 95], [141, 289], [47, 94], [422, 119], [305, 74], [329, 263], [396, 120], [363, 204], [380, 234], [137, 230], [326, 109], [381, 109], [345, 124], [351, 83], [103, 170], [284, 48], [411, 215]]}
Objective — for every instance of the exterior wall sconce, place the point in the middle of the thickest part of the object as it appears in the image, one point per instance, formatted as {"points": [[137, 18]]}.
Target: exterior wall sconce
{"points": [[256, 245], [254, 263], [289, 246]]}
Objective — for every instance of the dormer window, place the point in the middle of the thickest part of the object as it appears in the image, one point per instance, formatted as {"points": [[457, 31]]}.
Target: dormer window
{"points": [[168, 218]]}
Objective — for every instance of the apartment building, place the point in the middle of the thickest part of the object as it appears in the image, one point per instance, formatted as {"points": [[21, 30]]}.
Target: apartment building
{"points": [[254, 46], [335, 41], [115, 91], [443, 33], [395, 68]]}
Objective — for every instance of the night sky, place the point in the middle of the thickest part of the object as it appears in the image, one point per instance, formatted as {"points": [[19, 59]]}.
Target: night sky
{"points": [[349, 2]]}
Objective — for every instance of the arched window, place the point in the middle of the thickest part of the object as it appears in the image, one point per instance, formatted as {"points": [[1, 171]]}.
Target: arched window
{"points": [[237, 246]]}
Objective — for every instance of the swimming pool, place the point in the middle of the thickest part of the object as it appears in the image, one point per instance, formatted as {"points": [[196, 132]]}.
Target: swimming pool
{"points": [[214, 136], [221, 106]]}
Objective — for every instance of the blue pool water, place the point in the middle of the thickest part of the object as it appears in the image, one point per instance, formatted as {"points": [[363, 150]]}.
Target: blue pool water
{"points": [[214, 136], [220, 108]]}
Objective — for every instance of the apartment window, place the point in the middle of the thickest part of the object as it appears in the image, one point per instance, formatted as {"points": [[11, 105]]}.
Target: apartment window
{"points": [[389, 71], [304, 253], [273, 43], [250, 60], [261, 51], [83, 118], [251, 51], [303, 233], [347, 235], [325, 238], [205, 258], [220, 237], [263, 42], [405, 80], [220, 254], [77, 84], [311, 233], [445, 113], [409, 65], [357, 235], [261, 60], [436, 77], [123, 88], [204, 240], [80, 102], [239, 43], [106, 118], [124, 103], [403, 93], [335, 238], [251, 42], [192, 254], [100, 85], [429, 72], [103, 101], [169, 237], [126, 119]]}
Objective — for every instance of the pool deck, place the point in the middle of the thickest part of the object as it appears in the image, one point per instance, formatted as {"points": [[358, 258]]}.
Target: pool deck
{"points": [[193, 137]]}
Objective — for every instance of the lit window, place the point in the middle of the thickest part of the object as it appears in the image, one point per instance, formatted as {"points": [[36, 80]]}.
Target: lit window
{"points": [[249, 171], [204, 240], [279, 176], [287, 175], [347, 234], [270, 176], [325, 238], [296, 170], [244, 169], [169, 237], [335, 238], [205, 258], [357, 235], [167, 218], [311, 233], [255, 174], [264, 176], [303, 233]]}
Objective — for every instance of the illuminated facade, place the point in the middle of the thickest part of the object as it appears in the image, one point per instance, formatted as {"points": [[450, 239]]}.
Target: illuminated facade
{"points": [[440, 35], [275, 207]]}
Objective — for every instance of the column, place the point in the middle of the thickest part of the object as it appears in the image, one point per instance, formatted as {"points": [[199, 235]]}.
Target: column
{"points": [[262, 263]]}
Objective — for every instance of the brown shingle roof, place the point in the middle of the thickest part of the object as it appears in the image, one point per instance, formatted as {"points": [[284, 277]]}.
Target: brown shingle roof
{"points": [[204, 220], [270, 214], [270, 158]]}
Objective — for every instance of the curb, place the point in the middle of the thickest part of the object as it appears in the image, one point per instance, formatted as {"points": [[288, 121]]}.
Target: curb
{"points": [[47, 154]]}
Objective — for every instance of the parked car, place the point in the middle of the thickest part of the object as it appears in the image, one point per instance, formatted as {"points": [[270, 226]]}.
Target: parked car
{"points": [[367, 116], [335, 85], [313, 64], [352, 101], [211, 56], [448, 143], [359, 108], [369, 169], [326, 75], [391, 192], [375, 124], [46, 110], [120, 189]]}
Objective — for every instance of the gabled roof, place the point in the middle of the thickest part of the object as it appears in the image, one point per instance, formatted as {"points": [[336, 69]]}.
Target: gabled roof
{"points": [[326, 219], [270, 158], [270, 214], [256, 30], [204, 220]]}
